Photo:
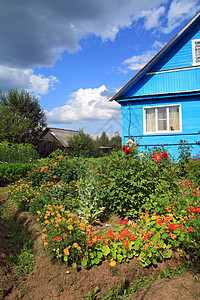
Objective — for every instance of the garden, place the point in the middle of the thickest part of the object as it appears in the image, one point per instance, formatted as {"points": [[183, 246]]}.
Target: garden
{"points": [[114, 209]]}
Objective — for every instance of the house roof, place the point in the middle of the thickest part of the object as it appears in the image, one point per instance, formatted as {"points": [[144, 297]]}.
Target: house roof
{"points": [[156, 58], [61, 135]]}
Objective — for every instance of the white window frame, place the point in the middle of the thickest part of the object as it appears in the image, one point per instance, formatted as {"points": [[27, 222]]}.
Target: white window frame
{"points": [[162, 131], [193, 52]]}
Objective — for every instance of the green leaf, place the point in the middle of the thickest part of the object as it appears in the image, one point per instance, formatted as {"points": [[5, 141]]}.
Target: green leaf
{"points": [[84, 262], [74, 265], [105, 250], [119, 257], [154, 261], [96, 261], [169, 253], [165, 235]]}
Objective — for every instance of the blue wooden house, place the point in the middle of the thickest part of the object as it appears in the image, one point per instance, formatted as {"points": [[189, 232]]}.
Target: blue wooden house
{"points": [[161, 103]]}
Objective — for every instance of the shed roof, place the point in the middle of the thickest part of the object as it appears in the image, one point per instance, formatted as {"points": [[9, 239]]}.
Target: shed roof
{"points": [[156, 58], [61, 135]]}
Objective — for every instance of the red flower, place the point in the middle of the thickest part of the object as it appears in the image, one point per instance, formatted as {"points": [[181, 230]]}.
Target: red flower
{"points": [[58, 239], [132, 237], [190, 229], [165, 155], [189, 183], [191, 208], [195, 191], [127, 151], [157, 158], [172, 226], [159, 222]]}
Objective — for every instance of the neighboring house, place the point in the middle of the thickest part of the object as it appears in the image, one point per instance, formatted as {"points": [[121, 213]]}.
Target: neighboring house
{"points": [[59, 135], [161, 103]]}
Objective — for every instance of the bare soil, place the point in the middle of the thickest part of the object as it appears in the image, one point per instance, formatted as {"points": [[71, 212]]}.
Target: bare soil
{"points": [[55, 281]]}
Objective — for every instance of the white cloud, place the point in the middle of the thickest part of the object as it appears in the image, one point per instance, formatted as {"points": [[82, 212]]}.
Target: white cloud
{"points": [[179, 11], [137, 62], [25, 79], [85, 105], [152, 17]]}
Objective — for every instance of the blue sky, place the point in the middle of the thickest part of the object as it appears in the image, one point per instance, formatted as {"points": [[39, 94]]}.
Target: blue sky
{"points": [[75, 55]]}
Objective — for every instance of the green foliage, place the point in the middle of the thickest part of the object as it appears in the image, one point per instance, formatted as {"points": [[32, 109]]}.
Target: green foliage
{"points": [[184, 151], [22, 119], [10, 172], [82, 145], [193, 168], [143, 186], [103, 140], [131, 183], [20, 153], [88, 191], [116, 143], [17, 240]]}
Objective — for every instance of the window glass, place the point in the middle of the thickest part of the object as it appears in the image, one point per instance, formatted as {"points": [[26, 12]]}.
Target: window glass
{"points": [[160, 119], [174, 123], [197, 52], [150, 120]]}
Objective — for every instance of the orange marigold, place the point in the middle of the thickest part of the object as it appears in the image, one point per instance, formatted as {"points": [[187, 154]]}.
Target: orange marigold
{"points": [[75, 245], [70, 227], [66, 251]]}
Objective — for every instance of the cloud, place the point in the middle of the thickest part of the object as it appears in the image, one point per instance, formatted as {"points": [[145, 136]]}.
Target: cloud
{"points": [[38, 32], [25, 79], [137, 62], [179, 11], [85, 105], [152, 17]]}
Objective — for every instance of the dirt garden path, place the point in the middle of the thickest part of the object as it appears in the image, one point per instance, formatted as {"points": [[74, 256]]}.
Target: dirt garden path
{"points": [[50, 281]]}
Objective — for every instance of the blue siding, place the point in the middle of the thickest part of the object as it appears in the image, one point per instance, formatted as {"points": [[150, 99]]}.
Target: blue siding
{"points": [[164, 83], [171, 80], [132, 125], [181, 54]]}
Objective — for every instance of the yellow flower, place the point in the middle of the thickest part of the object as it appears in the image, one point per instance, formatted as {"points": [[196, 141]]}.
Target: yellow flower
{"points": [[113, 263]]}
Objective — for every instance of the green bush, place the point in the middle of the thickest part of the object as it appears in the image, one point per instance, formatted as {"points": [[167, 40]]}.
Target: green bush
{"points": [[13, 172], [17, 153]]}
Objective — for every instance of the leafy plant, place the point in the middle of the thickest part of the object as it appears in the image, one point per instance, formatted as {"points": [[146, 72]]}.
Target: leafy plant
{"points": [[88, 190]]}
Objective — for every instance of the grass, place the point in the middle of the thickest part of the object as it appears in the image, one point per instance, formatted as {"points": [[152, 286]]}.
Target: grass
{"points": [[17, 239]]}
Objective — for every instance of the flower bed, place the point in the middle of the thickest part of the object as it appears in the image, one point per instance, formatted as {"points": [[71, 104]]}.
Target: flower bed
{"points": [[68, 195]]}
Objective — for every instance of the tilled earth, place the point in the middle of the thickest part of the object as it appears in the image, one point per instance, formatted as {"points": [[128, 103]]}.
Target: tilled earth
{"points": [[55, 281]]}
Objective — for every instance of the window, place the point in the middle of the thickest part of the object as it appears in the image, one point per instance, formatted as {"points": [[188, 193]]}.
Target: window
{"points": [[196, 52], [162, 119]]}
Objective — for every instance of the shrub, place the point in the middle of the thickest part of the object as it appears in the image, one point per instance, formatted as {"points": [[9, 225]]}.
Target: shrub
{"points": [[20, 153], [13, 171]]}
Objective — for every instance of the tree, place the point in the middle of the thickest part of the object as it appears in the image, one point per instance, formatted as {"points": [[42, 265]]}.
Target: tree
{"points": [[22, 119], [116, 142], [103, 141], [83, 145]]}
